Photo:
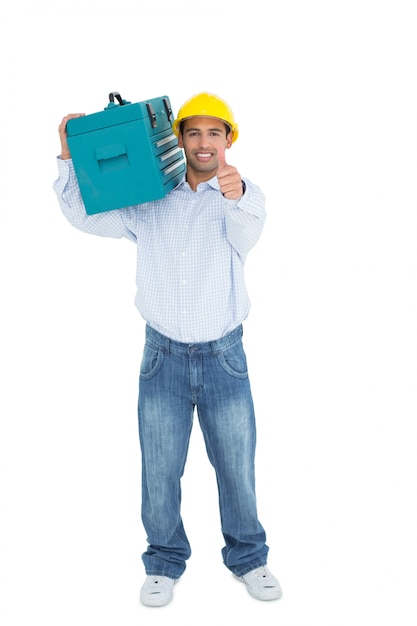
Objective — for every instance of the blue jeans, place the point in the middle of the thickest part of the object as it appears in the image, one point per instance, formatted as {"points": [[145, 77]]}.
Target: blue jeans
{"points": [[174, 379]]}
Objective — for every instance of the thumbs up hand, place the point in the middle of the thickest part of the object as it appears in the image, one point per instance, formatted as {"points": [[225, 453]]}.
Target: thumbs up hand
{"points": [[230, 181]]}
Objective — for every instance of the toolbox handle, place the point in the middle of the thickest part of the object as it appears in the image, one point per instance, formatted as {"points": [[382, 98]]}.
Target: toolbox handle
{"points": [[112, 151], [115, 94]]}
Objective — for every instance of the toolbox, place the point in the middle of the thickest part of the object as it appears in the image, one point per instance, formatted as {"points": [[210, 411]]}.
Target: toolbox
{"points": [[126, 154]]}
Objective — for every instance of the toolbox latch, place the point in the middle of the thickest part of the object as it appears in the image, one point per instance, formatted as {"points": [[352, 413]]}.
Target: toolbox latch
{"points": [[168, 109], [151, 114]]}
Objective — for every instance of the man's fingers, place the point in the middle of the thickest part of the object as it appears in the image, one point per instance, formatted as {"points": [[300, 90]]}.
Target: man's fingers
{"points": [[70, 116], [65, 153], [221, 157]]}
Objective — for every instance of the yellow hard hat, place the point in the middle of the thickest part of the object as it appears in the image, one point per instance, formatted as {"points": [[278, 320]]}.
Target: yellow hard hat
{"points": [[206, 105]]}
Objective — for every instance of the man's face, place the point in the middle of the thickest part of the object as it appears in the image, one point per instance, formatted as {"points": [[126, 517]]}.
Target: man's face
{"points": [[200, 138]]}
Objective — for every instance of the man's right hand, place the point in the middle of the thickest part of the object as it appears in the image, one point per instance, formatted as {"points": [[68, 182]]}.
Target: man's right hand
{"points": [[65, 153]]}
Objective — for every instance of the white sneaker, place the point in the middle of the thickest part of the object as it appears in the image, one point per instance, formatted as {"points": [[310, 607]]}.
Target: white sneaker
{"points": [[157, 590], [261, 584]]}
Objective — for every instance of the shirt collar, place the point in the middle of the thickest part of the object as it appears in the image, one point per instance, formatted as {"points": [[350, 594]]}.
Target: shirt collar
{"points": [[212, 182]]}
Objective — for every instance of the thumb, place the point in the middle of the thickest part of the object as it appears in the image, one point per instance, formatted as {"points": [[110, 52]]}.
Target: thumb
{"points": [[221, 157]]}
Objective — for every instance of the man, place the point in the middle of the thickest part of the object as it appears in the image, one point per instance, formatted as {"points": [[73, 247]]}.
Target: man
{"points": [[191, 251]]}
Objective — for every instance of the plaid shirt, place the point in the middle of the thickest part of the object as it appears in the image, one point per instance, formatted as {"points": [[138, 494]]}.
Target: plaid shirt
{"points": [[191, 250]]}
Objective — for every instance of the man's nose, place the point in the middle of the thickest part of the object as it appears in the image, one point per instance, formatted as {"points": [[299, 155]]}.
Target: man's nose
{"points": [[204, 141]]}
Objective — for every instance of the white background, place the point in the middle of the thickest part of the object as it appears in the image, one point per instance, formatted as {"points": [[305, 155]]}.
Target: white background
{"points": [[325, 96]]}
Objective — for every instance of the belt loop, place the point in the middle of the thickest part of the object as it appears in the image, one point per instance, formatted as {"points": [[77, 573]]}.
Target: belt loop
{"points": [[214, 347]]}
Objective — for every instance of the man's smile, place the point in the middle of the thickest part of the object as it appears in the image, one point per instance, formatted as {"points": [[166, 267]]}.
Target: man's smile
{"points": [[203, 156]]}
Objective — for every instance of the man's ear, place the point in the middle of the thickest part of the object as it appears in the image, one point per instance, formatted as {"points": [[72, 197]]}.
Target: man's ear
{"points": [[229, 139], [180, 143]]}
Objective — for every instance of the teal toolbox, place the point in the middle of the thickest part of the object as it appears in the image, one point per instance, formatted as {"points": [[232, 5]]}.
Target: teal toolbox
{"points": [[126, 154]]}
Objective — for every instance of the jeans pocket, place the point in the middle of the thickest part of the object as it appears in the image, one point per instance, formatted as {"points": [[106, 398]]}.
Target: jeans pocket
{"points": [[233, 361], [152, 361]]}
